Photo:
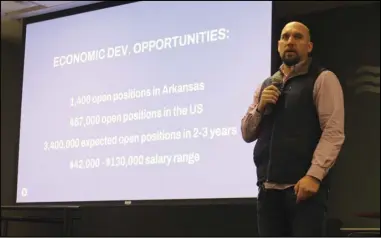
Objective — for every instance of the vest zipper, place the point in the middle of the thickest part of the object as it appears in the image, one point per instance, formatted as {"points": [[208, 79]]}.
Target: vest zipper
{"points": [[271, 141], [270, 153]]}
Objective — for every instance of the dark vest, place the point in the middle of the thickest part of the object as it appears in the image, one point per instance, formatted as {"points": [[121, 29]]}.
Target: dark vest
{"points": [[288, 136]]}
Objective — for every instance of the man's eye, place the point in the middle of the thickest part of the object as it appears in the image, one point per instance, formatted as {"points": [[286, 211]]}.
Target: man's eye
{"points": [[297, 36]]}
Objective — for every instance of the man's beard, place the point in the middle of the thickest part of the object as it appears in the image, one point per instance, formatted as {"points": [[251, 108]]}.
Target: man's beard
{"points": [[290, 61]]}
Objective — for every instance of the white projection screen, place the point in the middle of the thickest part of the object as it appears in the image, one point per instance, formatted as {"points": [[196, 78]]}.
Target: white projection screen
{"points": [[142, 101]]}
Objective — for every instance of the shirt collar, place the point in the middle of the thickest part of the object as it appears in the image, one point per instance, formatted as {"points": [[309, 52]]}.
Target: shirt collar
{"points": [[298, 69]]}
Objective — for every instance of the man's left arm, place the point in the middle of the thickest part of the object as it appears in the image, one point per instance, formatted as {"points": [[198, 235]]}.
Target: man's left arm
{"points": [[329, 101]]}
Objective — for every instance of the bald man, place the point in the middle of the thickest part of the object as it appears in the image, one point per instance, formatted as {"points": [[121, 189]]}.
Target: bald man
{"points": [[297, 121]]}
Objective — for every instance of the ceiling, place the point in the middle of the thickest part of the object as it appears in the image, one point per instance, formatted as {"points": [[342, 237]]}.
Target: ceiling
{"points": [[292, 8], [23, 9]]}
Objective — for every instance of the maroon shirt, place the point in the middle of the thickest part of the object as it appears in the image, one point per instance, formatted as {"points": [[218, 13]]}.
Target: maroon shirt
{"points": [[329, 101]]}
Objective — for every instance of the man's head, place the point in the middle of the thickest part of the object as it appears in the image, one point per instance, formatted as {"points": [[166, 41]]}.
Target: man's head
{"points": [[294, 44]]}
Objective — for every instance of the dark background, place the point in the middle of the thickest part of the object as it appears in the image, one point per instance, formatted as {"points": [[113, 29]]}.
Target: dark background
{"points": [[346, 36]]}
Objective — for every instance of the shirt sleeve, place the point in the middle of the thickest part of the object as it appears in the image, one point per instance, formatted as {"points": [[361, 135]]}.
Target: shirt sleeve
{"points": [[250, 122], [329, 101]]}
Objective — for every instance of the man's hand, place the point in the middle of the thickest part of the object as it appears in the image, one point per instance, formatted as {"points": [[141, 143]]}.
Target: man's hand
{"points": [[269, 95], [306, 187]]}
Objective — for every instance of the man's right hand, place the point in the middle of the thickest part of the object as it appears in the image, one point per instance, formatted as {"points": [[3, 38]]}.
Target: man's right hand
{"points": [[269, 95]]}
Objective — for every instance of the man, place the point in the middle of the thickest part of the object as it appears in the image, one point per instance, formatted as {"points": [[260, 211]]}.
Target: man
{"points": [[299, 128]]}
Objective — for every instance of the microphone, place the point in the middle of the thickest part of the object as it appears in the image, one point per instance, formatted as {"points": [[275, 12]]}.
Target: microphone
{"points": [[277, 81]]}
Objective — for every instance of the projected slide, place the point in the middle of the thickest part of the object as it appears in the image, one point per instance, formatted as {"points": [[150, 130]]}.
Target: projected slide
{"points": [[142, 102]]}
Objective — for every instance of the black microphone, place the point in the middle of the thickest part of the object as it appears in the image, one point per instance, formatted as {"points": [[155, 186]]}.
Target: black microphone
{"points": [[277, 81]]}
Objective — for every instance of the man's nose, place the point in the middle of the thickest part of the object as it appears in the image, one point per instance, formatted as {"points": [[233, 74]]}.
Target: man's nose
{"points": [[291, 40]]}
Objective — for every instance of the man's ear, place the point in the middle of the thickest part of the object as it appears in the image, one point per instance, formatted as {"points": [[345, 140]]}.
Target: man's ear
{"points": [[310, 47]]}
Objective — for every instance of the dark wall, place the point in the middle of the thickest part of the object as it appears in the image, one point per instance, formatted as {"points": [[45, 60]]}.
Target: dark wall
{"points": [[11, 66], [345, 39]]}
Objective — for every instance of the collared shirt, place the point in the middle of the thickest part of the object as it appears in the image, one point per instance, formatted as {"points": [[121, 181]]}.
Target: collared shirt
{"points": [[329, 102]]}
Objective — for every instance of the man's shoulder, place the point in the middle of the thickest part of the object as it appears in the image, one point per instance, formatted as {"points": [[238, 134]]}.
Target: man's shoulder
{"points": [[320, 70], [267, 81], [326, 74], [327, 80]]}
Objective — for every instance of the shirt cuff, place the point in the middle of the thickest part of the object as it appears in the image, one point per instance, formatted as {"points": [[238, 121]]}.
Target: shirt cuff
{"points": [[317, 172]]}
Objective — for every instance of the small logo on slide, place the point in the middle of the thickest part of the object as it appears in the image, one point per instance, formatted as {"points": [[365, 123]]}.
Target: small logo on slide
{"points": [[24, 192]]}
